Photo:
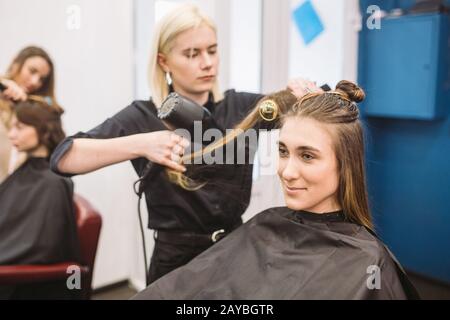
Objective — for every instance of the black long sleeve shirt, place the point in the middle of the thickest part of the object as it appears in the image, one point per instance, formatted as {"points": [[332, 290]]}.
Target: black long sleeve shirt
{"points": [[171, 207]]}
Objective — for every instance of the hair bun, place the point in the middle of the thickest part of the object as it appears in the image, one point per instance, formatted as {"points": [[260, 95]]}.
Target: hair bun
{"points": [[351, 90]]}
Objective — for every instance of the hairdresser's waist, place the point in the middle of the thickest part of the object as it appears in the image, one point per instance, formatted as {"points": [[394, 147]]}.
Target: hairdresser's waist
{"points": [[193, 238]]}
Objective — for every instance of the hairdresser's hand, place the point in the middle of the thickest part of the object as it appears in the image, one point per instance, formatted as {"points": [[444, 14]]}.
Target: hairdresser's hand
{"points": [[13, 91], [163, 147], [301, 87]]}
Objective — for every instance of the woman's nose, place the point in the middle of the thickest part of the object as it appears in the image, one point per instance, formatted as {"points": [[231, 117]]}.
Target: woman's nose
{"points": [[206, 61], [35, 81], [289, 170]]}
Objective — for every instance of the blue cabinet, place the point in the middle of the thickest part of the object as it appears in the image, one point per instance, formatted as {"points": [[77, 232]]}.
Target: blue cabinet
{"points": [[406, 67], [405, 70]]}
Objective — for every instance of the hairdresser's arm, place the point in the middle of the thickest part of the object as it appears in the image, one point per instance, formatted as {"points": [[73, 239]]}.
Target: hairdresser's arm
{"points": [[87, 155]]}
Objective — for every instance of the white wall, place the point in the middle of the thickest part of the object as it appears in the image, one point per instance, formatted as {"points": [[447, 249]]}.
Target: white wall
{"points": [[244, 28], [94, 80], [333, 55]]}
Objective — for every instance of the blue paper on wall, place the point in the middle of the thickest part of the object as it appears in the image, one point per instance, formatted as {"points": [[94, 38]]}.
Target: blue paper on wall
{"points": [[308, 22]]}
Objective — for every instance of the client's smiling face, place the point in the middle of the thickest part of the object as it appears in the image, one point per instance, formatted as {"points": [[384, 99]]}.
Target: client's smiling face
{"points": [[308, 165]]}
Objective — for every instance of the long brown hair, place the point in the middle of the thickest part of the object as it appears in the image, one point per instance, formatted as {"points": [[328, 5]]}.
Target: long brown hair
{"points": [[339, 109], [283, 102], [336, 107]]}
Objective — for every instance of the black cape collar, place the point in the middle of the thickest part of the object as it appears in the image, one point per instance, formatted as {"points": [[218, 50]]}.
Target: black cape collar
{"points": [[335, 216]]}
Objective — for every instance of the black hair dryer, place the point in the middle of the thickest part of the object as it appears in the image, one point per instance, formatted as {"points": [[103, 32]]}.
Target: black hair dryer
{"points": [[180, 113]]}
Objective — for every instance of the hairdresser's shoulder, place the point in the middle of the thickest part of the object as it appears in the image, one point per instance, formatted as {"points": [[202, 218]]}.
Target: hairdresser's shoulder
{"points": [[233, 93], [142, 106], [241, 101], [138, 110]]}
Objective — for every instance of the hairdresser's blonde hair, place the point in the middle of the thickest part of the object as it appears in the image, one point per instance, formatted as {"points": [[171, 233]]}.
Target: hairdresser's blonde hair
{"points": [[183, 18]]}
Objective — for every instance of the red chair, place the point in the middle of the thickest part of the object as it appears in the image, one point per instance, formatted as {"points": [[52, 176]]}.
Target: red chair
{"points": [[89, 223]]}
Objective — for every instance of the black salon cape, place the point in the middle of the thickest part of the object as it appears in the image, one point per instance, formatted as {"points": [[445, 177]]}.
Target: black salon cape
{"points": [[37, 221], [283, 254]]}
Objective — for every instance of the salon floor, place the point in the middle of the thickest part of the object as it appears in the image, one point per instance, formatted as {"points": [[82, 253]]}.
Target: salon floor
{"points": [[428, 289]]}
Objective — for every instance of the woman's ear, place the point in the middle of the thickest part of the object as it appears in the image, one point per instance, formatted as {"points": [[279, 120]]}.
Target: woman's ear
{"points": [[162, 61]]}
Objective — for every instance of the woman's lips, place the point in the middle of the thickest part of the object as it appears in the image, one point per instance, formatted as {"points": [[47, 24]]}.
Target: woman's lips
{"points": [[292, 190], [207, 78]]}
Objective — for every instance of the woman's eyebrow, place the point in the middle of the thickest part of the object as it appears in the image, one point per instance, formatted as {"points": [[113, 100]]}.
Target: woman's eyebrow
{"points": [[307, 148], [188, 50], [300, 148]]}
